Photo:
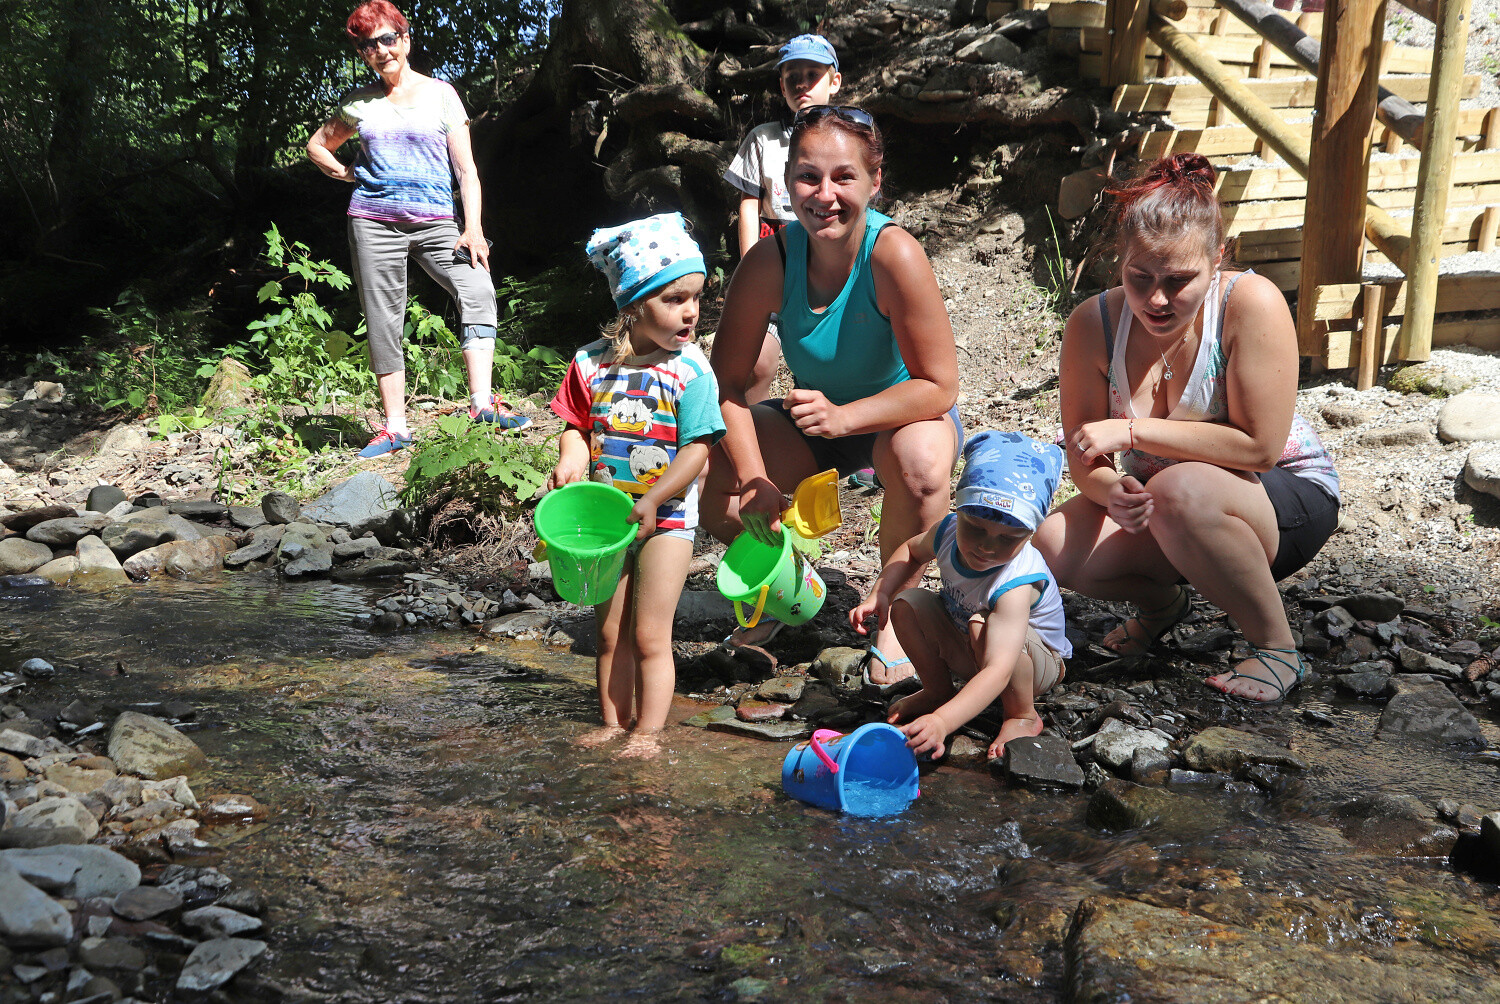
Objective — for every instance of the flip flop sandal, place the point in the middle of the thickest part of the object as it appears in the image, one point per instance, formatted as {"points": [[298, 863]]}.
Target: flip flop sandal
{"points": [[886, 689], [776, 626], [1176, 609], [1262, 655]]}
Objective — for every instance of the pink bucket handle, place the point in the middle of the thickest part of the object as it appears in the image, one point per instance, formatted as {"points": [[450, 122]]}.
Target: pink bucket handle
{"points": [[818, 738]]}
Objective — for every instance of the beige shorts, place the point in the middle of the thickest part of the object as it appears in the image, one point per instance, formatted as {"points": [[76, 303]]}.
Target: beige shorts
{"points": [[1047, 666]]}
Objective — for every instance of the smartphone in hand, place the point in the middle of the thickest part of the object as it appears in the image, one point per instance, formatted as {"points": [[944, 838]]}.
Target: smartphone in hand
{"points": [[463, 257]]}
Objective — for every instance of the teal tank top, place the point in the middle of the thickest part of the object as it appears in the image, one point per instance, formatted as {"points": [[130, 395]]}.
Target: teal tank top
{"points": [[848, 351]]}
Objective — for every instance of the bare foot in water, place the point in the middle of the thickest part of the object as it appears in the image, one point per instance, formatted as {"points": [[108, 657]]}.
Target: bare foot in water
{"points": [[1014, 728], [912, 707], [598, 737], [640, 746]]}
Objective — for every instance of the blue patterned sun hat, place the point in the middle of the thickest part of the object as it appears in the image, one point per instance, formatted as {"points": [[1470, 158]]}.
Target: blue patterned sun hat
{"points": [[1009, 478], [640, 257]]}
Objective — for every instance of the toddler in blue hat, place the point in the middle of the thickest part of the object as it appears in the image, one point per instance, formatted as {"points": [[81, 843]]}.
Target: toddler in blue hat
{"points": [[996, 629], [642, 408]]}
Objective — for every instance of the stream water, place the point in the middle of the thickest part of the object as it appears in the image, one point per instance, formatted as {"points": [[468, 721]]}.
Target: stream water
{"points": [[439, 835]]}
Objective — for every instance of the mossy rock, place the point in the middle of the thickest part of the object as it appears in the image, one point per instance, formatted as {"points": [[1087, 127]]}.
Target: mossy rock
{"points": [[1428, 378]]}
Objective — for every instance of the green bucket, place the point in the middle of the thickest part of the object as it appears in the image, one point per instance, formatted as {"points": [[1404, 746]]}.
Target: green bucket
{"points": [[778, 580], [584, 535]]}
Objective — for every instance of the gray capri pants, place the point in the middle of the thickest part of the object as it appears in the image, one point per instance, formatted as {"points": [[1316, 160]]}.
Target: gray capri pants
{"points": [[380, 249]]}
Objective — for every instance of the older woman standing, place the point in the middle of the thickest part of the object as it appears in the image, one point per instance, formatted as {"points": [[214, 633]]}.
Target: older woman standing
{"points": [[1188, 371], [865, 334], [413, 138]]}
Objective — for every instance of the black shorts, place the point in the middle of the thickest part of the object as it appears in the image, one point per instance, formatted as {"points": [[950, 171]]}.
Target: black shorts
{"points": [[851, 453], [1306, 516]]}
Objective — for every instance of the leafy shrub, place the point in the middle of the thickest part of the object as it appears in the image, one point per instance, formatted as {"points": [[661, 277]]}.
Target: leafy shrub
{"points": [[498, 473]]}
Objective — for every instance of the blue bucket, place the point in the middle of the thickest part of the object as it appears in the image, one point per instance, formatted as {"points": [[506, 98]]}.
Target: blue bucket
{"points": [[868, 772]]}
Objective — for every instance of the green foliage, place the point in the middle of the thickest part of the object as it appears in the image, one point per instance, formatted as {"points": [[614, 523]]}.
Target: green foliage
{"points": [[499, 473], [1057, 269], [145, 361]]}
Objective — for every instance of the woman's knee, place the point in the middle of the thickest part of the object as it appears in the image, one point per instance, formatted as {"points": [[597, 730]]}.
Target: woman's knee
{"points": [[1187, 493], [920, 465]]}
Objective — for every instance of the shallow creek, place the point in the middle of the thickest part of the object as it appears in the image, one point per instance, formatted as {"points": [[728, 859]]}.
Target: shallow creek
{"points": [[437, 834]]}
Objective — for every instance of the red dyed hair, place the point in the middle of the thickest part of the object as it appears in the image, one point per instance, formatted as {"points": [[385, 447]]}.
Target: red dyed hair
{"points": [[1171, 200], [371, 15], [868, 136]]}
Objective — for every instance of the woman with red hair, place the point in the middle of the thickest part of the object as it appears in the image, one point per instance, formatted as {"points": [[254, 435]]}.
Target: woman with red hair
{"points": [[1188, 371], [413, 137]]}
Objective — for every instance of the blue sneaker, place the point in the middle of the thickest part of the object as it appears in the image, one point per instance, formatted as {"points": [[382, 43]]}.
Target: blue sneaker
{"points": [[384, 442], [499, 414]]}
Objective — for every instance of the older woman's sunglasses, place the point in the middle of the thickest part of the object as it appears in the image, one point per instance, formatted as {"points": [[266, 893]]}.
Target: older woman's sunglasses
{"points": [[849, 113], [370, 44]]}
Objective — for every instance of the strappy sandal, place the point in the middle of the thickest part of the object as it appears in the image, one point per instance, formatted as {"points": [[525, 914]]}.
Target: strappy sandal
{"points": [[1174, 611], [886, 689], [1262, 655]]}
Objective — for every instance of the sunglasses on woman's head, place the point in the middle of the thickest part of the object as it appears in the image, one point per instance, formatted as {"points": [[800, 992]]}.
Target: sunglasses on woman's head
{"points": [[849, 113], [370, 44]]}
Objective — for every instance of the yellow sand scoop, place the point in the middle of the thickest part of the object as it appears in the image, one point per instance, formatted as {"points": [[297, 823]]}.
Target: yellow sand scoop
{"points": [[815, 511]]}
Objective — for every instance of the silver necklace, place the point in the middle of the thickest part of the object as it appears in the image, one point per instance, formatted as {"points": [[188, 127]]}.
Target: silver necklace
{"points": [[1166, 367]]}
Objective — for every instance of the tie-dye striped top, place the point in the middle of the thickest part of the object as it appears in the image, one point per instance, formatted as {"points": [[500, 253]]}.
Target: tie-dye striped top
{"points": [[404, 172]]}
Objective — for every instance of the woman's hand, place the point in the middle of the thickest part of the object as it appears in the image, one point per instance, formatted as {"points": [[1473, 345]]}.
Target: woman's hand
{"points": [[479, 249], [1129, 504], [815, 415], [875, 605], [644, 513], [761, 503], [1104, 438], [925, 734]]}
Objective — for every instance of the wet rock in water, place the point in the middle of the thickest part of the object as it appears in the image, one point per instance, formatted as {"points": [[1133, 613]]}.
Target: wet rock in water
{"points": [[1425, 708], [180, 559], [1394, 824], [1470, 417], [95, 871], [219, 922], [1122, 949], [1406, 434], [782, 731], [838, 666], [1416, 661], [263, 544], [1120, 805], [111, 953], [29, 916], [965, 751], [1367, 679], [20, 522], [1149, 765], [151, 748], [1345, 416], [219, 809], [139, 530], [245, 901], [365, 496], [49, 821], [1482, 470], [1044, 761], [67, 531], [1225, 751], [19, 555], [145, 902], [1116, 743], [817, 702], [520, 622], [305, 550], [703, 719], [97, 565], [247, 517], [1372, 606], [759, 711], [38, 669], [215, 962], [783, 689], [373, 568], [279, 508]]}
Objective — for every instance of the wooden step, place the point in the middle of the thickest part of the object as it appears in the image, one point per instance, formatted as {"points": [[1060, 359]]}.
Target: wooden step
{"points": [[1343, 346], [1469, 228], [1478, 129], [1189, 104], [1387, 174], [1233, 50]]}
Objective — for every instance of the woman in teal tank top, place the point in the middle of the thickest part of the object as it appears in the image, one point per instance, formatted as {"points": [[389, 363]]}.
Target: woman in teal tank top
{"points": [[867, 338]]}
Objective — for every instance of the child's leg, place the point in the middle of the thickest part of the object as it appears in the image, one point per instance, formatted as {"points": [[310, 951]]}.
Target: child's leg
{"points": [[937, 649], [614, 666], [661, 570], [1037, 669]]}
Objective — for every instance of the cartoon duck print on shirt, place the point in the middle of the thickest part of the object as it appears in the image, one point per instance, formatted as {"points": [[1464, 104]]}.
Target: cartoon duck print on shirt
{"points": [[633, 409], [648, 462]]}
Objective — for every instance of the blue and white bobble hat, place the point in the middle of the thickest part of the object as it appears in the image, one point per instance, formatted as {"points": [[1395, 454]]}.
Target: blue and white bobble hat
{"points": [[814, 48], [641, 257], [1009, 478]]}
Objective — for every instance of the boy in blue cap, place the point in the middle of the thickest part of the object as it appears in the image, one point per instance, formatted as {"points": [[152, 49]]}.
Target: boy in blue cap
{"points": [[809, 75], [997, 629]]}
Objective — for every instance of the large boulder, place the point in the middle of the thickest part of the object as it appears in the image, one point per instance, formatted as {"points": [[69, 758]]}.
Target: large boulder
{"points": [[49, 821], [304, 550], [58, 571], [365, 496], [181, 559], [137, 531], [1470, 417], [29, 916], [103, 498], [214, 963], [19, 555], [1227, 750], [263, 544], [66, 532], [1044, 761], [20, 522], [1424, 708], [97, 565], [87, 870], [152, 748]]}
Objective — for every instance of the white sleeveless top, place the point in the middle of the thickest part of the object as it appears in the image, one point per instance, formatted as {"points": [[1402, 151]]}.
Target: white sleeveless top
{"points": [[967, 592], [1204, 396]]}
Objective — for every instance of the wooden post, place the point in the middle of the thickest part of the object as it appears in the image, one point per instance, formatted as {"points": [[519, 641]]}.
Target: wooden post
{"points": [[1491, 129], [1125, 41], [1489, 224], [1371, 334], [1423, 8], [1339, 167], [1433, 178]]}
